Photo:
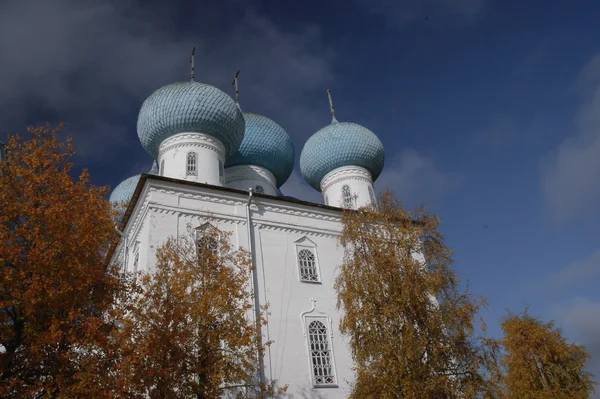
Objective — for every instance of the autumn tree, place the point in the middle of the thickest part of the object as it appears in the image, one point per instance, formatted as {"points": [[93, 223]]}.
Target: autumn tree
{"points": [[411, 328], [54, 288], [189, 332], [539, 363]]}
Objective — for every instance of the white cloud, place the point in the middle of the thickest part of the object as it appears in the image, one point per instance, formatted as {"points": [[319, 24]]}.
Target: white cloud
{"points": [[583, 270], [401, 12], [415, 178], [581, 319], [91, 63], [570, 174]]}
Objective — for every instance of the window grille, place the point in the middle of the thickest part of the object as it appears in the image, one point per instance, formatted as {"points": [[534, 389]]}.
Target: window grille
{"points": [[320, 354], [347, 197], [192, 169], [206, 245], [259, 190], [308, 265]]}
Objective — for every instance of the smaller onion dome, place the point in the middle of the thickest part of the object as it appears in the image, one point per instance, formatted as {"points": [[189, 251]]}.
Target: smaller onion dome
{"points": [[153, 169], [340, 144], [189, 107], [265, 144], [122, 194]]}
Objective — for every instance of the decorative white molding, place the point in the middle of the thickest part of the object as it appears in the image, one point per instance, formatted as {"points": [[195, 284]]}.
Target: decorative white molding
{"points": [[202, 140], [345, 173]]}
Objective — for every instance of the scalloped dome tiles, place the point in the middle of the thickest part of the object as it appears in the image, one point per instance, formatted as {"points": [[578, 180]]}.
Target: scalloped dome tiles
{"points": [[340, 144], [189, 107], [265, 144]]}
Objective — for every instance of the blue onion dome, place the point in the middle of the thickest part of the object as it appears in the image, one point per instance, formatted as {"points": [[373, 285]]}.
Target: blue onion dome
{"points": [[154, 169], [124, 191], [340, 144], [265, 144], [189, 107]]}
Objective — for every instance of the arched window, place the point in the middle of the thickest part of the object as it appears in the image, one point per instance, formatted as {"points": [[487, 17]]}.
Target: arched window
{"points": [[347, 197], [259, 189], [308, 265], [221, 172], [192, 169], [320, 353], [162, 168], [372, 195]]}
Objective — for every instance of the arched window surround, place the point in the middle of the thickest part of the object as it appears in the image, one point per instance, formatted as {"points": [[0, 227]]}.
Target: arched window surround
{"points": [[301, 246], [309, 319]]}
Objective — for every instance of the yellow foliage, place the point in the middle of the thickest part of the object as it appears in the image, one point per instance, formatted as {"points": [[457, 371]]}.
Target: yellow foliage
{"points": [[411, 328]]}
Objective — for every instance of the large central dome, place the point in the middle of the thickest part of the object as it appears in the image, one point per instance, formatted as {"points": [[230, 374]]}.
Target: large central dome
{"points": [[189, 107]]}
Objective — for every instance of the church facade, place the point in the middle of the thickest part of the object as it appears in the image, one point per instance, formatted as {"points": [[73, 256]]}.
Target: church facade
{"points": [[218, 166]]}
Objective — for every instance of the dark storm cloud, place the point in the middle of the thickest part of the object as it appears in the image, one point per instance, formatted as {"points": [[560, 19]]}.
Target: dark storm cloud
{"points": [[91, 64]]}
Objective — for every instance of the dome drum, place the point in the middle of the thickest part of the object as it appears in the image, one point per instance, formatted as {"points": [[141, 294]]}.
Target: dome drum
{"points": [[194, 157], [348, 187], [243, 177]]}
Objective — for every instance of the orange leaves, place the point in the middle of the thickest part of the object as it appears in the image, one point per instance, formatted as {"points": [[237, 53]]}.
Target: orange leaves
{"points": [[187, 330], [53, 286]]}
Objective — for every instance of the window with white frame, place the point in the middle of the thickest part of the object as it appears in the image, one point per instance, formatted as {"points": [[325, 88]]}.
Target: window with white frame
{"points": [[321, 356], [347, 199], [308, 265], [192, 168]]}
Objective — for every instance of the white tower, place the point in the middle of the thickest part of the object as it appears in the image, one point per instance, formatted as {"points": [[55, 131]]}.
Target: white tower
{"points": [[190, 128], [342, 160]]}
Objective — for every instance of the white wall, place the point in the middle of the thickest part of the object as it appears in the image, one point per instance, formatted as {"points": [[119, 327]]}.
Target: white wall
{"points": [[358, 179], [166, 209]]}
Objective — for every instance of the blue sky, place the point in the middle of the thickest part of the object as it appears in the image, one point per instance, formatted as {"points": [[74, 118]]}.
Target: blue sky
{"points": [[488, 110]]}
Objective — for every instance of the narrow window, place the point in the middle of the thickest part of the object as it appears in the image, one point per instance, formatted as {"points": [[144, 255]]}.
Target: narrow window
{"points": [[192, 169], [259, 190], [221, 172], [308, 265], [347, 197], [320, 353], [326, 201], [162, 168], [372, 195]]}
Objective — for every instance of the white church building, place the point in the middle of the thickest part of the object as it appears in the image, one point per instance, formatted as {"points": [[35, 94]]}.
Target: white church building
{"points": [[216, 164]]}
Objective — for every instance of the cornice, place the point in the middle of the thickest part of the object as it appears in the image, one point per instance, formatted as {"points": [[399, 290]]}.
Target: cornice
{"points": [[201, 140]]}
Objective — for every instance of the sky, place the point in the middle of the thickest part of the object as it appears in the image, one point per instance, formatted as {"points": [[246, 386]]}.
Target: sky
{"points": [[489, 112]]}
